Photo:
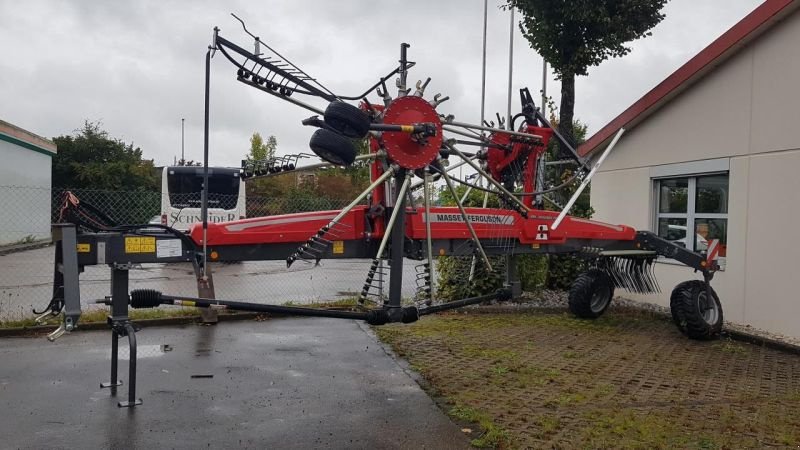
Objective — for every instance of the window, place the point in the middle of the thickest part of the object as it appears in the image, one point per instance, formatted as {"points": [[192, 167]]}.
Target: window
{"points": [[698, 203]]}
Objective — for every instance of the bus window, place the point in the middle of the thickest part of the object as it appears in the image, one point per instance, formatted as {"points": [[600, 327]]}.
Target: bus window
{"points": [[182, 188]]}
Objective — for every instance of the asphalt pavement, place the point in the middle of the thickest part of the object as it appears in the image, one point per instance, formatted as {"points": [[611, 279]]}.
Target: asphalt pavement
{"points": [[281, 383]]}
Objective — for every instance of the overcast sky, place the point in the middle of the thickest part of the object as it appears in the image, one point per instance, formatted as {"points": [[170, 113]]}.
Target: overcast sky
{"points": [[137, 66]]}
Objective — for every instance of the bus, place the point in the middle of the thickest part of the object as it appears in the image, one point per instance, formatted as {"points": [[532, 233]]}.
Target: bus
{"points": [[181, 195]]}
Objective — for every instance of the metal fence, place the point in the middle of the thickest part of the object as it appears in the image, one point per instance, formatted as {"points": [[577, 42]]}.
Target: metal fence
{"points": [[26, 269]]}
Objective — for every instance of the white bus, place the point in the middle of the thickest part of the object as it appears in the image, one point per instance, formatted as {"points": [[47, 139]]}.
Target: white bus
{"points": [[181, 195]]}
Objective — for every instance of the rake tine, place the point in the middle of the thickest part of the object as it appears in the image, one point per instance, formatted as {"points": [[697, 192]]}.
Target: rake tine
{"points": [[640, 275], [646, 276], [655, 278], [634, 267], [632, 275], [611, 265], [623, 271]]}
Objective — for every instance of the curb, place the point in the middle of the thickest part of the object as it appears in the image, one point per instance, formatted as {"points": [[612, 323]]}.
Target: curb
{"points": [[14, 248], [144, 323]]}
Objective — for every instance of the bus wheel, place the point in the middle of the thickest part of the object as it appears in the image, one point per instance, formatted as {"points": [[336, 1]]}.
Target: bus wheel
{"points": [[347, 119], [332, 147]]}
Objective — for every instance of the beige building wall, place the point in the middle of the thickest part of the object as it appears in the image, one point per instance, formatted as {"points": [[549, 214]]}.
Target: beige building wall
{"points": [[745, 113]]}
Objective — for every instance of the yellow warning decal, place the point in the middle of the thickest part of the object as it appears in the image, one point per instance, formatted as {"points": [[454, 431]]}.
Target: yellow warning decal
{"points": [[145, 244], [534, 245], [407, 128], [84, 248], [338, 247], [185, 303]]}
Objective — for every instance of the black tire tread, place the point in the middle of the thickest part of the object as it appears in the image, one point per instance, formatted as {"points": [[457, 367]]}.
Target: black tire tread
{"points": [[686, 309], [347, 119], [332, 147], [580, 293]]}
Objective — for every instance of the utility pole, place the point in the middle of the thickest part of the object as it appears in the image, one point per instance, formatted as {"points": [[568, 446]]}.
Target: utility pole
{"points": [[510, 67], [183, 157], [544, 87]]}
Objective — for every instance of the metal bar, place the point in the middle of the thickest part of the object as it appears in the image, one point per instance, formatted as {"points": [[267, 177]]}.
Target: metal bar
{"points": [[114, 380], [474, 261], [489, 178], [259, 307], [471, 134], [223, 43], [361, 196], [581, 161], [586, 181], [398, 235], [428, 237], [478, 127], [283, 97], [204, 199], [510, 65], [466, 221], [436, 176], [483, 61], [395, 212], [456, 304], [132, 400], [310, 167]]}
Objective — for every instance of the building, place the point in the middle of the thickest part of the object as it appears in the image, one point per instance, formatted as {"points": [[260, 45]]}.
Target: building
{"points": [[25, 185], [713, 152]]}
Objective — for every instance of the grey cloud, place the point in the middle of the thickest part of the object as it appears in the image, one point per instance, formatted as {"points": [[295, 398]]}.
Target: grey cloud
{"points": [[138, 66]]}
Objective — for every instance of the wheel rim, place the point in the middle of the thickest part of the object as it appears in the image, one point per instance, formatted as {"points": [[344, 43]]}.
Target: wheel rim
{"points": [[600, 300], [708, 308]]}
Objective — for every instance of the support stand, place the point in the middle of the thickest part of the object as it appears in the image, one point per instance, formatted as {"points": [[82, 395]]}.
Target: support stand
{"points": [[121, 325], [513, 284], [398, 238]]}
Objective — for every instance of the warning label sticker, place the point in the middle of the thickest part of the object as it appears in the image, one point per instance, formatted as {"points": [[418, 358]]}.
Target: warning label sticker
{"points": [[145, 244], [338, 247], [84, 248], [489, 219], [168, 248]]}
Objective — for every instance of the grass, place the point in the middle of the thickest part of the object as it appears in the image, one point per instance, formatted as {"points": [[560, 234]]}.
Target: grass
{"points": [[625, 381], [100, 315], [348, 302], [493, 436]]}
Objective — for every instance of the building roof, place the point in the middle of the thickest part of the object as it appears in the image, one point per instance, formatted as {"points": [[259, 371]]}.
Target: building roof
{"points": [[753, 25], [26, 139]]}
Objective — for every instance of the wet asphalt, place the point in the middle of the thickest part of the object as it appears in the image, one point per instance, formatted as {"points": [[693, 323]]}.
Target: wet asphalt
{"points": [[290, 383]]}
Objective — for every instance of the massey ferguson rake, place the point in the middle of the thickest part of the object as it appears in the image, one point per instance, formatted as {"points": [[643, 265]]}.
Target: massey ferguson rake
{"points": [[411, 146]]}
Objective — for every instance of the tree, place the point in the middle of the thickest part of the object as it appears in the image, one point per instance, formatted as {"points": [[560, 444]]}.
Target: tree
{"points": [[90, 159], [260, 150], [577, 34]]}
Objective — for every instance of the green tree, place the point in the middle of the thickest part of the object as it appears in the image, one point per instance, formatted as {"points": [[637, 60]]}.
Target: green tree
{"points": [[577, 34], [260, 150], [91, 159]]}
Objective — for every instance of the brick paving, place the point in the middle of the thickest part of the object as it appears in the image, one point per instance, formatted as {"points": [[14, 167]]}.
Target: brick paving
{"points": [[626, 380]]}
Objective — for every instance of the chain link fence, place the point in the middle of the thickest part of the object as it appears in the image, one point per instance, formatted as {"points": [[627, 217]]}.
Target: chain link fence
{"points": [[26, 258]]}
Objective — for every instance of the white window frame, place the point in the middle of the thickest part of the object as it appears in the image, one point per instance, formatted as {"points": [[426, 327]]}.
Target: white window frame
{"points": [[690, 171]]}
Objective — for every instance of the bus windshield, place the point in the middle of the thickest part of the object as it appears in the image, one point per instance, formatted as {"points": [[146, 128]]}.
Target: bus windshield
{"points": [[185, 185], [182, 194]]}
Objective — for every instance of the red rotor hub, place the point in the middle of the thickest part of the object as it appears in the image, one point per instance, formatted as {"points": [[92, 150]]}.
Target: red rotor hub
{"points": [[405, 149]]}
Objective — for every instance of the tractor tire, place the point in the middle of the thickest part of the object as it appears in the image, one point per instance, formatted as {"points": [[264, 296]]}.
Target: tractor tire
{"points": [[590, 294], [347, 119], [332, 147], [696, 316], [674, 301]]}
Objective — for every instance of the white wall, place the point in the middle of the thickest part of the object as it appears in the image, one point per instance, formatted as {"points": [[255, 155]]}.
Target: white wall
{"points": [[746, 111], [25, 183]]}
